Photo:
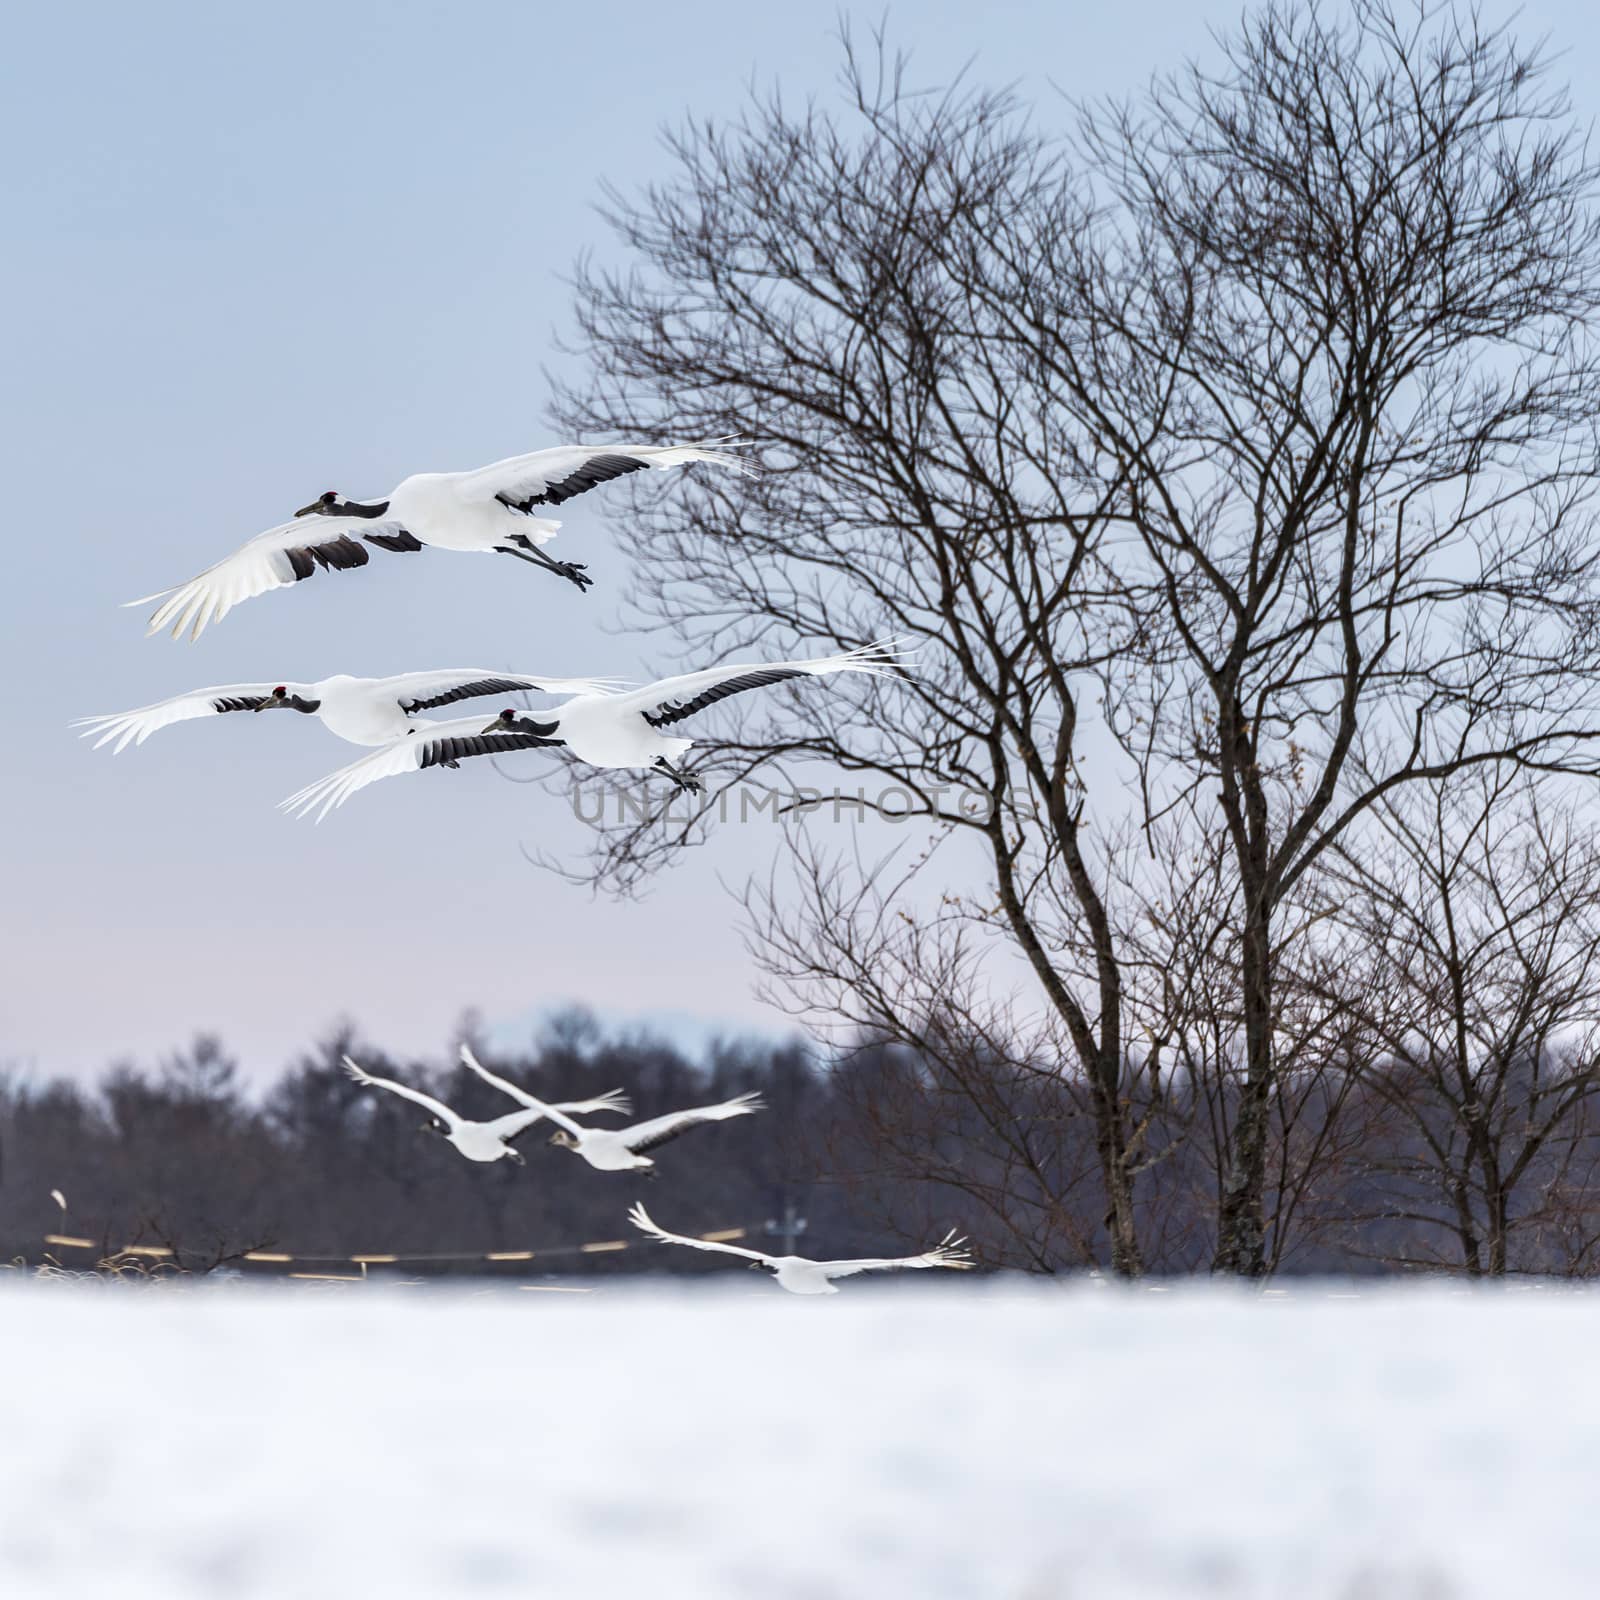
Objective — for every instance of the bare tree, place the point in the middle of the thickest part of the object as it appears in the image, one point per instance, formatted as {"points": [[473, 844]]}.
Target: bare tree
{"points": [[1478, 908], [944, 1083], [1331, 325], [808, 281], [1265, 401], [1186, 1010]]}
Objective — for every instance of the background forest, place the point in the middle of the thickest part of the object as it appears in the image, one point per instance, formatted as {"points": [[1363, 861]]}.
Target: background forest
{"points": [[875, 1149]]}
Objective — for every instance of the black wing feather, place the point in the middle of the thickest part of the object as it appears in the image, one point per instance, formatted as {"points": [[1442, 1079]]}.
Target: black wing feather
{"points": [[254, 702], [445, 752], [467, 691], [672, 712], [341, 553], [667, 1135], [596, 470], [655, 1141], [402, 543]]}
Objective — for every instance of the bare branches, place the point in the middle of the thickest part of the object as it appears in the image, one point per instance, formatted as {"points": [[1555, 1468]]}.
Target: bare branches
{"points": [[821, 281], [1233, 461], [1476, 909], [1333, 326]]}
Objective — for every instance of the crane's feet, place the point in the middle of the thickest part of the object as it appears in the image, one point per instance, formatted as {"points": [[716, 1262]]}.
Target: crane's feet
{"points": [[686, 781], [574, 572]]}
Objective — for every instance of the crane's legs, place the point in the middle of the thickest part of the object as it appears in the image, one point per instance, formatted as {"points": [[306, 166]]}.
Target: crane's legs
{"points": [[526, 550]]}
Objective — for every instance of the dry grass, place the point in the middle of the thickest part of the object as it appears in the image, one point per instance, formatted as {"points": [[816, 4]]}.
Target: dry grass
{"points": [[118, 1271]]}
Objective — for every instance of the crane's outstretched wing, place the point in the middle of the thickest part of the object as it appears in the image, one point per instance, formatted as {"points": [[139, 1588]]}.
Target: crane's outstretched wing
{"points": [[644, 1136], [613, 1100], [536, 1108], [272, 560], [424, 691], [137, 725], [950, 1251], [640, 1218], [550, 477], [437, 1107], [672, 699], [433, 744], [515, 1122]]}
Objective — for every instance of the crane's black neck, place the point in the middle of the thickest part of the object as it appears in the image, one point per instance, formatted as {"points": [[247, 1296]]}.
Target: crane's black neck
{"points": [[356, 508], [540, 730]]}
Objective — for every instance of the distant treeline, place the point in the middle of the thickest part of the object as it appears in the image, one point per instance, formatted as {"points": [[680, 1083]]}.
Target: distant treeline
{"points": [[183, 1156], [878, 1150]]}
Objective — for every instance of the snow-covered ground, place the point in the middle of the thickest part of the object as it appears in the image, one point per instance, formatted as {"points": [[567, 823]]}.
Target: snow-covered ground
{"points": [[907, 1439]]}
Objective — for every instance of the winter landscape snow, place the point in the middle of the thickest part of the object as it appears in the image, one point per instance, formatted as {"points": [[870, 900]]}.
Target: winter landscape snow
{"points": [[1412, 1442]]}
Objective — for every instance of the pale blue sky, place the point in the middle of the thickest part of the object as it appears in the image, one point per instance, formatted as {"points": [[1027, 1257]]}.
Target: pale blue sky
{"points": [[248, 253]]}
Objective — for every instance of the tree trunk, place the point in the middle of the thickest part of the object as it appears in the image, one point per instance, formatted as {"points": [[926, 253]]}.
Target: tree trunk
{"points": [[1126, 1259], [1499, 1229], [1241, 1227], [1466, 1230]]}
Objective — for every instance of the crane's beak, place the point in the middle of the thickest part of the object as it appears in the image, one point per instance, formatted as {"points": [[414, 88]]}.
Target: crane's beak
{"points": [[501, 725], [270, 703], [310, 510]]}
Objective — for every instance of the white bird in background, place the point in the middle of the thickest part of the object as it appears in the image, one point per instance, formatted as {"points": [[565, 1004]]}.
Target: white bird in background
{"points": [[360, 710], [621, 729], [801, 1276], [618, 1149], [486, 1141], [489, 509]]}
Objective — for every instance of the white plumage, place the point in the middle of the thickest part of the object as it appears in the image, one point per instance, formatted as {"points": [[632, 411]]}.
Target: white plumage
{"points": [[370, 711], [485, 1141], [617, 1149], [614, 730], [489, 509], [801, 1276]]}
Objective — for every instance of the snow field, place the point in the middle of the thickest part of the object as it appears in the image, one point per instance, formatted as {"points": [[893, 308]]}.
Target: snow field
{"points": [[958, 1440]]}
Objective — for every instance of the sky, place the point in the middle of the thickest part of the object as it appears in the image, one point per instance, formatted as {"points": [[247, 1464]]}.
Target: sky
{"points": [[250, 253]]}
